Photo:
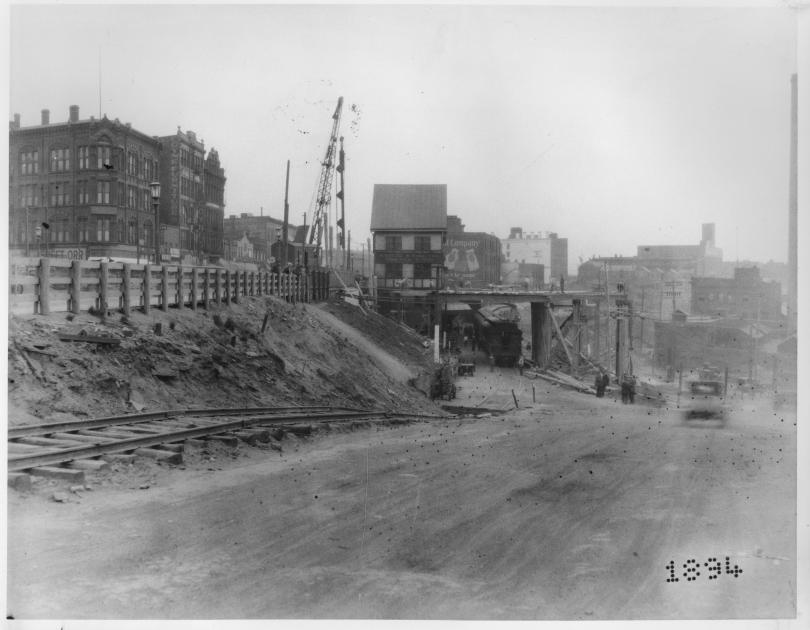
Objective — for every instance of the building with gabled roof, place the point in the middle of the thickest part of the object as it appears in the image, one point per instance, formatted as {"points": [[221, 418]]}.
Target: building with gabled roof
{"points": [[409, 230]]}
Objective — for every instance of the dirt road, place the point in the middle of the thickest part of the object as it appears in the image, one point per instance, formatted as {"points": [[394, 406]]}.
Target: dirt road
{"points": [[569, 509]]}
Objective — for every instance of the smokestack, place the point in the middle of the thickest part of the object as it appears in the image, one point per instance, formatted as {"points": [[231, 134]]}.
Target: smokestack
{"points": [[793, 206], [46, 116], [707, 233], [16, 124], [74, 113]]}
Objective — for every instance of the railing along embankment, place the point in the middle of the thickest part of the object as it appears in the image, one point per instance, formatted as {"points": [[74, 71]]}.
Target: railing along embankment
{"points": [[46, 285]]}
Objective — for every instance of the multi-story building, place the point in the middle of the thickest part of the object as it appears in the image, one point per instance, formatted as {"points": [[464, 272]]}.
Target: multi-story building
{"points": [[263, 231], [80, 189], [472, 259], [544, 248], [745, 296], [190, 204], [409, 228]]}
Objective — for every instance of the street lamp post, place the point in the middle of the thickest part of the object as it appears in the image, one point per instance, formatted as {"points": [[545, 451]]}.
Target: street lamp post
{"points": [[155, 189]]}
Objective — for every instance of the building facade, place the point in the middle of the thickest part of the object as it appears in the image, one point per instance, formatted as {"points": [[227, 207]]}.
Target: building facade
{"points": [[80, 189], [409, 229], [703, 259], [544, 248], [472, 259], [745, 296], [190, 204], [263, 231]]}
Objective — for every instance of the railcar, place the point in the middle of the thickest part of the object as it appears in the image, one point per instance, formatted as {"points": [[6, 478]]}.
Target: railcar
{"points": [[498, 333]]}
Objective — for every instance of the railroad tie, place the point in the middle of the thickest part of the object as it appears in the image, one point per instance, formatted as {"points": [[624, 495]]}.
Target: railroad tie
{"points": [[161, 455], [54, 472]]}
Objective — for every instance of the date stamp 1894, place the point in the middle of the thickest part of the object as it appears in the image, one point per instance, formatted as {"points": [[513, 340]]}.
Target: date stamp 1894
{"points": [[692, 569]]}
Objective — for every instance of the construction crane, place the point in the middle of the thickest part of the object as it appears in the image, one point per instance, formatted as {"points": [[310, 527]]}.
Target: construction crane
{"points": [[324, 196]]}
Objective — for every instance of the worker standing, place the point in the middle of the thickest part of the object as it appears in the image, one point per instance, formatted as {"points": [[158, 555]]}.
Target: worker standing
{"points": [[520, 364]]}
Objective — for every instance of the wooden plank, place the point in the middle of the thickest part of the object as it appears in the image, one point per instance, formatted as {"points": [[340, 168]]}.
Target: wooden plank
{"points": [[560, 335], [44, 286]]}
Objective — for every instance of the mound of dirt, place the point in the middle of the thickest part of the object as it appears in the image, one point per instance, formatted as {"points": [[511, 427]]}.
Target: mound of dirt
{"points": [[260, 352]]}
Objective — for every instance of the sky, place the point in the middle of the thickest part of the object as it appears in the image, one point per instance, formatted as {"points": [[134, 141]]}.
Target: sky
{"points": [[611, 126]]}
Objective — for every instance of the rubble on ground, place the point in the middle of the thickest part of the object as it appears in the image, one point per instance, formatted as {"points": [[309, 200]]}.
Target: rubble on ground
{"points": [[215, 358]]}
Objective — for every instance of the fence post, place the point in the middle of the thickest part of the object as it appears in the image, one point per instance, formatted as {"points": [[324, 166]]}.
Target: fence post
{"points": [[205, 288], [44, 286], [75, 286], [103, 293], [126, 297], [146, 287], [194, 296], [164, 289], [180, 277]]}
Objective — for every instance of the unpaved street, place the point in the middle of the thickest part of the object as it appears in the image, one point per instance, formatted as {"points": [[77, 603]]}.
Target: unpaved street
{"points": [[569, 509]]}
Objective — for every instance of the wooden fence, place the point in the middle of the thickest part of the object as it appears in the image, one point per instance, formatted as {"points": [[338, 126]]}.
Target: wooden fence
{"points": [[49, 285]]}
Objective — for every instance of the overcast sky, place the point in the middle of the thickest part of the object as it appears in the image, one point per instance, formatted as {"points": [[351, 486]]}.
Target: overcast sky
{"points": [[613, 127]]}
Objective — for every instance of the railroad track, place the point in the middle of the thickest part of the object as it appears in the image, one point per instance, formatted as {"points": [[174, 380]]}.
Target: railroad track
{"points": [[78, 444]]}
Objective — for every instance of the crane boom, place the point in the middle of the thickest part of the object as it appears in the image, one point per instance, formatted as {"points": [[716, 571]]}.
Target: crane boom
{"points": [[324, 197]]}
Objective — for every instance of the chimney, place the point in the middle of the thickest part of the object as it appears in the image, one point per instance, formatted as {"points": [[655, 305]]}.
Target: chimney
{"points": [[46, 116], [16, 124], [74, 113]]}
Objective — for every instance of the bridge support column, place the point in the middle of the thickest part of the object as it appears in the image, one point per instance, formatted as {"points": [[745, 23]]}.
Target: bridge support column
{"points": [[541, 334]]}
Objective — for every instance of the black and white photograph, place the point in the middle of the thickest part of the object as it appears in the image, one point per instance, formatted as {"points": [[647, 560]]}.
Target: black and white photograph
{"points": [[433, 312]]}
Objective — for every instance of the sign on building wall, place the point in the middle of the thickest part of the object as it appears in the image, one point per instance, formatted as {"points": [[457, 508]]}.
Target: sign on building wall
{"points": [[467, 261]]}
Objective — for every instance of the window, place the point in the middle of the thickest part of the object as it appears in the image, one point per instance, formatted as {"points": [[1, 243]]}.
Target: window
{"points": [[82, 193], [63, 231], [131, 232], [83, 157], [131, 197], [421, 244], [60, 194], [104, 158], [60, 159], [421, 271], [82, 227], [146, 197], [132, 164], [29, 196], [103, 192], [102, 229], [393, 270], [393, 243], [147, 169], [29, 162]]}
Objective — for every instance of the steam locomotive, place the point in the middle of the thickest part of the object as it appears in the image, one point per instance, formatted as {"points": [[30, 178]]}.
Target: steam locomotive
{"points": [[496, 327]]}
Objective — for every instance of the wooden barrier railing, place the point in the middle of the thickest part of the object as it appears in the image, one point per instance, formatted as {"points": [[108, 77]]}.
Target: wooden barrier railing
{"points": [[58, 285]]}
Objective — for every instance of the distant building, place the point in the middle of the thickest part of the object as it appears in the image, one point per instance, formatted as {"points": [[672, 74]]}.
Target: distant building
{"points": [[704, 259], [190, 204], [544, 248], [409, 228], [80, 189], [263, 231], [744, 296], [472, 259], [527, 276]]}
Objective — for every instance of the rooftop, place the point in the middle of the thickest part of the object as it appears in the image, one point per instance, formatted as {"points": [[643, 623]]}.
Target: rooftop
{"points": [[409, 207]]}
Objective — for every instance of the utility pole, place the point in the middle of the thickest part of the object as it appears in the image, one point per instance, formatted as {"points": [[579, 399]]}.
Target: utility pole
{"points": [[285, 226], [607, 323]]}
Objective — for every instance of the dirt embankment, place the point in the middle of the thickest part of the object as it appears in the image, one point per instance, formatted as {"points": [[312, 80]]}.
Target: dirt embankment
{"points": [[260, 352]]}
